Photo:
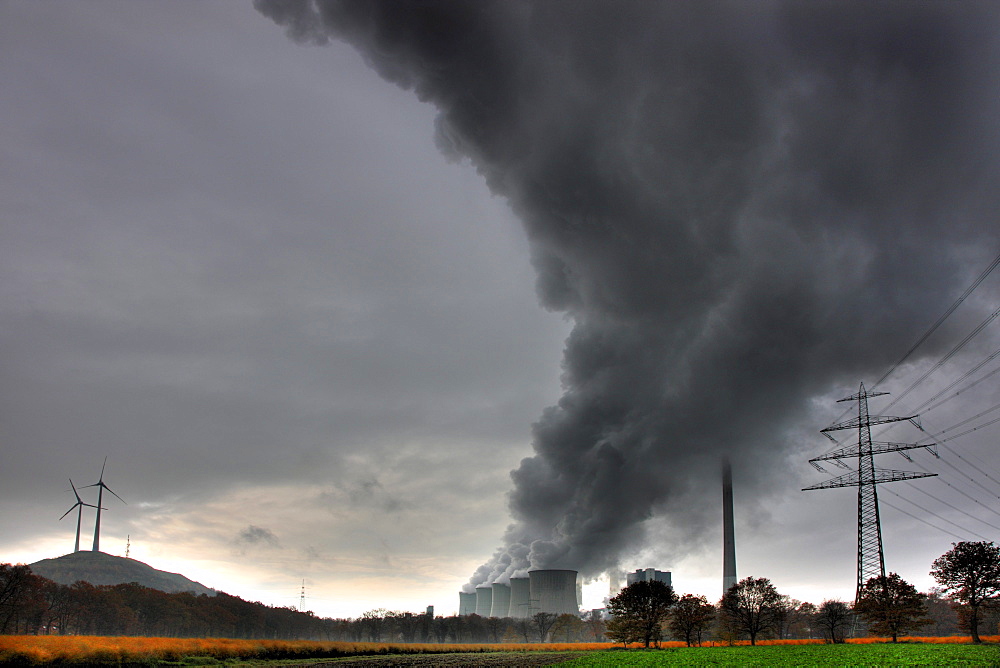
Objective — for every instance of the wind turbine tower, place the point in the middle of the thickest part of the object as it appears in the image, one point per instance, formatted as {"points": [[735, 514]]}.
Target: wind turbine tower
{"points": [[79, 513], [100, 493]]}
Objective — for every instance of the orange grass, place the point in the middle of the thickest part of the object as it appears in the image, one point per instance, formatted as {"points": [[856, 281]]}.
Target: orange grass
{"points": [[83, 649], [27, 650]]}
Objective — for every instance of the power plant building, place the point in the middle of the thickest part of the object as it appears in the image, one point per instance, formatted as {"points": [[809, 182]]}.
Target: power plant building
{"points": [[466, 603], [501, 600], [520, 598], [648, 575], [484, 600], [553, 591]]}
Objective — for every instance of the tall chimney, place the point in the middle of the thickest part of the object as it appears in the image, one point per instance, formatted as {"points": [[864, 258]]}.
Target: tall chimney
{"points": [[728, 533]]}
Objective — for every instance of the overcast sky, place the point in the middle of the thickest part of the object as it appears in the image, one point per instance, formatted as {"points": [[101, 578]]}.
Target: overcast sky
{"points": [[316, 301]]}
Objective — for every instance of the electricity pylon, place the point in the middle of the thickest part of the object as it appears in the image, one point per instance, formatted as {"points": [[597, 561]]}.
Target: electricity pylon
{"points": [[871, 560]]}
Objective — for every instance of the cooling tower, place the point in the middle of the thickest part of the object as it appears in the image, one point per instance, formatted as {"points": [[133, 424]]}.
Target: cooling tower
{"points": [[484, 600], [501, 600], [520, 598], [553, 591], [728, 531], [466, 603]]}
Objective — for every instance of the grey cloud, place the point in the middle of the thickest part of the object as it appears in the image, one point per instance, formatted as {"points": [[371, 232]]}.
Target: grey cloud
{"points": [[741, 206], [255, 536]]}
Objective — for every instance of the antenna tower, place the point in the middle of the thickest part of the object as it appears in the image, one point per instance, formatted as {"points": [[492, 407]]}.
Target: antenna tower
{"points": [[871, 560], [302, 597]]}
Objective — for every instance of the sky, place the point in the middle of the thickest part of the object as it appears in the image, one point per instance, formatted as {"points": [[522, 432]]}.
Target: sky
{"points": [[392, 299]]}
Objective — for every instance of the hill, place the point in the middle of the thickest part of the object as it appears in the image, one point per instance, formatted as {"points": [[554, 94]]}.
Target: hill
{"points": [[99, 568]]}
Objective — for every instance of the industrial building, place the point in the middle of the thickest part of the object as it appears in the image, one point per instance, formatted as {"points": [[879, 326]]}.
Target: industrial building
{"points": [[648, 575], [553, 591], [466, 603]]}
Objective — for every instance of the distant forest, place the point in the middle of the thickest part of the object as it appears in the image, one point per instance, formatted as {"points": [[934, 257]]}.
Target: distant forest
{"points": [[33, 605]]}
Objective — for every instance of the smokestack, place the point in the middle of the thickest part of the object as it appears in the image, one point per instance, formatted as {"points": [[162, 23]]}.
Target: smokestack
{"points": [[466, 603], [520, 597], [553, 591], [728, 532]]}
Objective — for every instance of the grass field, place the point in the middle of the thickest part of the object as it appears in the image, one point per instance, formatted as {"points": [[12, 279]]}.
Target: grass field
{"points": [[128, 651], [869, 654]]}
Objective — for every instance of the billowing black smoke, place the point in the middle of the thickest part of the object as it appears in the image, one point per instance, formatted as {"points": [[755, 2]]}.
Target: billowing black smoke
{"points": [[742, 206]]}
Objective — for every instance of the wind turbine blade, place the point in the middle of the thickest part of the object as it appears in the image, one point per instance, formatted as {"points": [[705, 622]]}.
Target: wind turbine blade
{"points": [[112, 491], [71, 509], [102, 470], [75, 493]]}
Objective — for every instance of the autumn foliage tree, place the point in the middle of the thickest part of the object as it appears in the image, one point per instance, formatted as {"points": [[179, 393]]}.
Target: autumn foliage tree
{"points": [[970, 572], [891, 606], [645, 605]]}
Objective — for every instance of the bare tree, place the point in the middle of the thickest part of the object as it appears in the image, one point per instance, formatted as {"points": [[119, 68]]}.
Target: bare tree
{"points": [[690, 617], [834, 618], [494, 626], [752, 606], [543, 621]]}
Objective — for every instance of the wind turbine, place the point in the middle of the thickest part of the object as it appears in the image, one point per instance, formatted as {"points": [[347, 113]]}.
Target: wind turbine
{"points": [[100, 484], [79, 513]]}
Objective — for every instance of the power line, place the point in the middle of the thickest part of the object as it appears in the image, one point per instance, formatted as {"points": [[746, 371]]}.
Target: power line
{"points": [[921, 519], [955, 508], [933, 328], [968, 373], [973, 334], [944, 316]]}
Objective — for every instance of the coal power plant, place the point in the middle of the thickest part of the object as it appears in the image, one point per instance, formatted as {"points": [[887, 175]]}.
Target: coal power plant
{"points": [[552, 591], [558, 591]]}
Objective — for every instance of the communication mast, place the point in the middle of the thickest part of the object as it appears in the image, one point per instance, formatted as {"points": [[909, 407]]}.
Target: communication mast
{"points": [[871, 560]]}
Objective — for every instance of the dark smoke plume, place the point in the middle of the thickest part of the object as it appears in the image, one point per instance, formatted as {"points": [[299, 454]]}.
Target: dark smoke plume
{"points": [[742, 206]]}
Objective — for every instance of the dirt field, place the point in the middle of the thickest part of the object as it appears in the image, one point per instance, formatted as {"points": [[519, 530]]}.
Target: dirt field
{"points": [[477, 659]]}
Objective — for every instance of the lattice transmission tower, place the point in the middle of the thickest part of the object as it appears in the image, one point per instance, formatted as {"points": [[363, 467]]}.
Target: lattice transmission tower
{"points": [[871, 560]]}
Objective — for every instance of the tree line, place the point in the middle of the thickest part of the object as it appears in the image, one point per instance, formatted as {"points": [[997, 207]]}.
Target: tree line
{"points": [[967, 599], [32, 604]]}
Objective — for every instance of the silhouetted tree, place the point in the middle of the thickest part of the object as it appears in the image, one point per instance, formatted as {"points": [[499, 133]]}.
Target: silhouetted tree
{"points": [[752, 606], [439, 629], [647, 603], [891, 606], [970, 572], [543, 621], [690, 617], [523, 627], [494, 627], [834, 618]]}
